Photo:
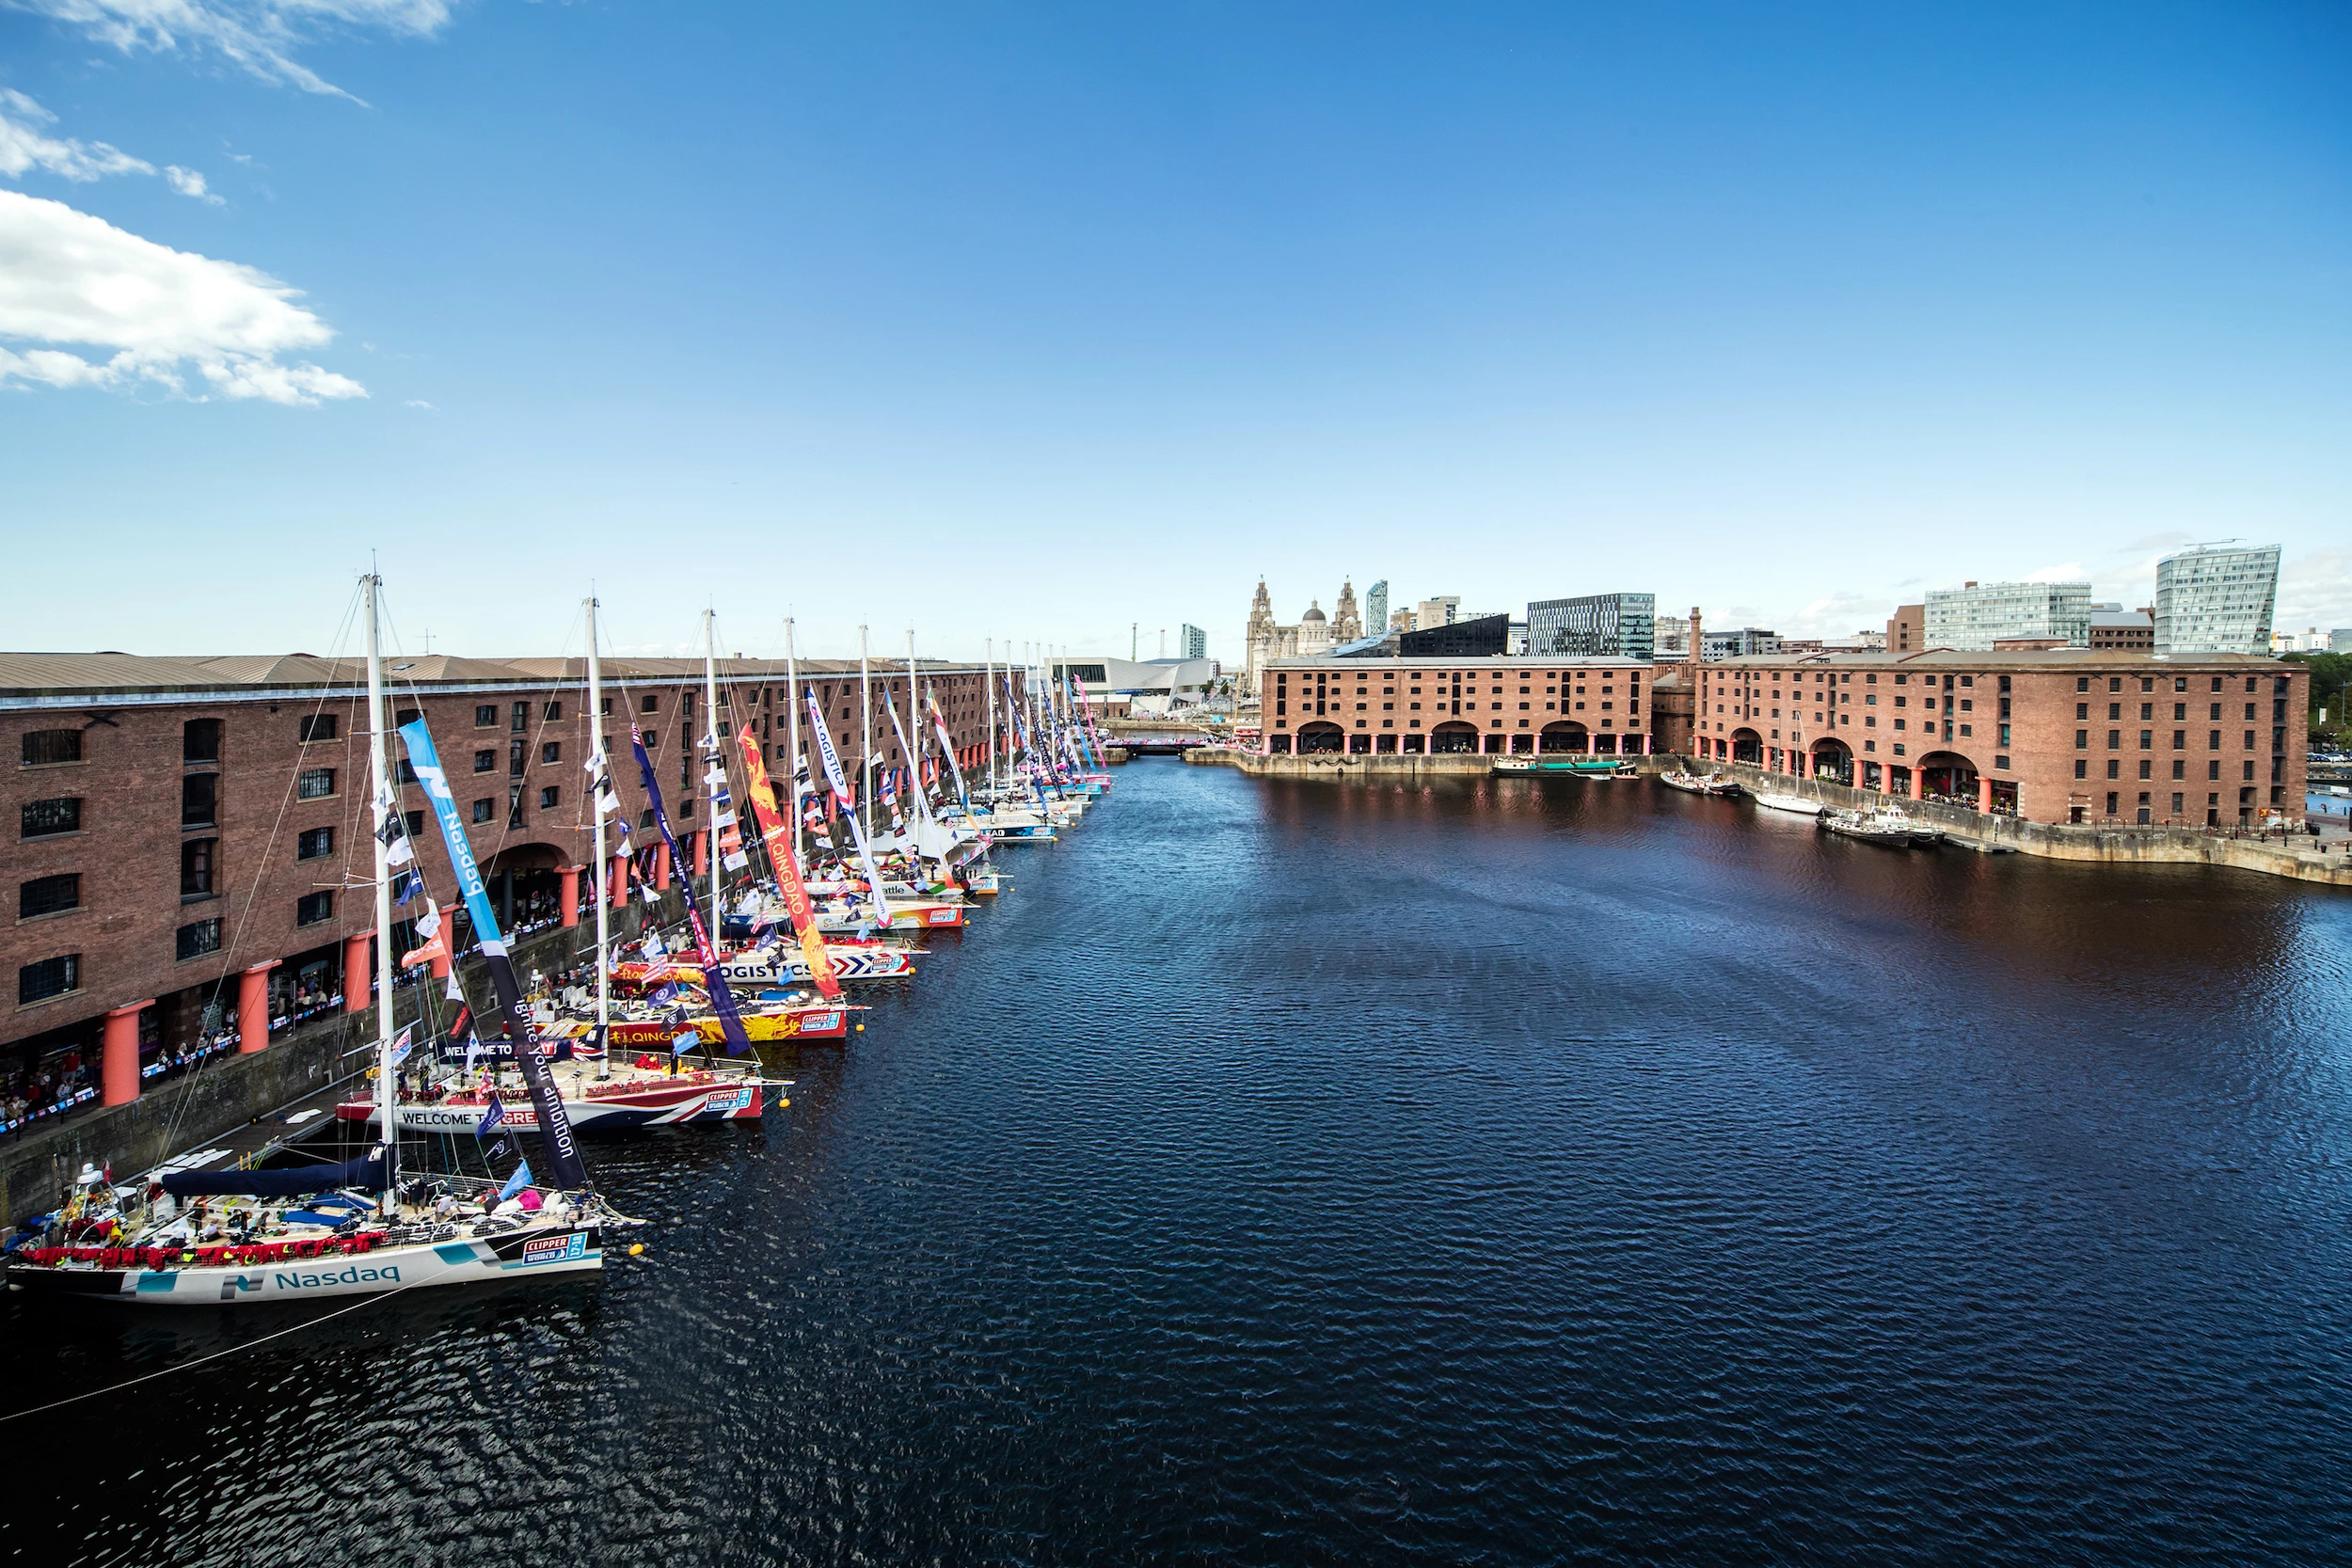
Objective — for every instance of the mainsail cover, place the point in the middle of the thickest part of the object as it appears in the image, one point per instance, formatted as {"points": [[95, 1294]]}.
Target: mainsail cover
{"points": [[789, 884], [563, 1157], [366, 1172], [722, 999]]}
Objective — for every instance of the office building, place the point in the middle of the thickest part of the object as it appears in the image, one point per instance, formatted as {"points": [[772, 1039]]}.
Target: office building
{"points": [[1976, 615], [2217, 599], [1192, 642], [1376, 607], [1747, 642], [1594, 625]]}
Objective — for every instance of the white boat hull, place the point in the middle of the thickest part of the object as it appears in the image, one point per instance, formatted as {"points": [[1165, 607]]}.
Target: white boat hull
{"points": [[1796, 803], [471, 1260]]}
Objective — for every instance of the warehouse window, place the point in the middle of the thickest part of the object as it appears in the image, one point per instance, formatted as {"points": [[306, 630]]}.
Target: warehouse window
{"points": [[197, 938], [314, 783], [48, 748], [314, 844], [49, 977], [196, 856], [49, 896], [200, 801], [199, 740], [48, 818], [319, 726], [311, 908]]}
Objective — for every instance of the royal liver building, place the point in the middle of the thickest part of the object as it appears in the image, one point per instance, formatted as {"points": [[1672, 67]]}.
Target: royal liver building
{"points": [[1316, 633]]}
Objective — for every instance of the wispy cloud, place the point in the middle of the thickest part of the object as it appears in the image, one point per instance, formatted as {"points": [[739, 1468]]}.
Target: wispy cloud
{"points": [[68, 281], [257, 36], [25, 145], [188, 183]]}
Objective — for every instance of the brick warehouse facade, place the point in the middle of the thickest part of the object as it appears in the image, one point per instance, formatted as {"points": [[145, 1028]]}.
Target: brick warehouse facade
{"points": [[181, 833], [2062, 734], [1408, 706]]}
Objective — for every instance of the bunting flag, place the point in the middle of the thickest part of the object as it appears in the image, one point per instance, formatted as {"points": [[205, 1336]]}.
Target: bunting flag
{"points": [[493, 1117], [435, 948], [555, 1127], [406, 889], [600, 786], [789, 883], [401, 1043], [390, 831], [456, 993], [722, 997], [516, 1182], [857, 832]]}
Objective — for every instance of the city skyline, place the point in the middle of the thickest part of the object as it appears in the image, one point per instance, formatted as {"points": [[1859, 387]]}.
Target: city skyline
{"points": [[1937, 297]]}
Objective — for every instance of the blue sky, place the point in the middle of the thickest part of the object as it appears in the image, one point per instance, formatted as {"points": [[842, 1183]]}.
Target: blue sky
{"points": [[1033, 321]]}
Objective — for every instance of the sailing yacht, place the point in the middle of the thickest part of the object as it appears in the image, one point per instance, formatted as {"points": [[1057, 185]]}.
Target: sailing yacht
{"points": [[209, 1237]]}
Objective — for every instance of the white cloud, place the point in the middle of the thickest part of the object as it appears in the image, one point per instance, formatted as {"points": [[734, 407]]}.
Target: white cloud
{"points": [[69, 278], [188, 183], [420, 402], [25, 144], [260, 36]]}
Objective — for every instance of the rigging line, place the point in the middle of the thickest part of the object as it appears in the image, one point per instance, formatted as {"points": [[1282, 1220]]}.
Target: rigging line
{"points": [[244, 919], [191, 1366]]}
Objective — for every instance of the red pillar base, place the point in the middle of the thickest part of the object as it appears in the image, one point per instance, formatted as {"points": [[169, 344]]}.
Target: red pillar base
{"points": [[253, 1008], [119, 1072], [569, 895], [359, 973]]}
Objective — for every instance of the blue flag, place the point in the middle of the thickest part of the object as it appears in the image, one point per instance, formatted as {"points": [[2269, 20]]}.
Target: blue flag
{"points": [[492, 1119], [516, 1182]]}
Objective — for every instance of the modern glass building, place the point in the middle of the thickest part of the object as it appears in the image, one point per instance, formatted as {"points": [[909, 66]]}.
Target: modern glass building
{"points": [[1972, 617], [1595, 626], [1195, 642], [1376, 607], [2217, 599]]}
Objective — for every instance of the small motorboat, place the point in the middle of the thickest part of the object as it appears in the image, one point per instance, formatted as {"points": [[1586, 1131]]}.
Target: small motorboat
{"points": [[1879, 826], [1699, 783]]}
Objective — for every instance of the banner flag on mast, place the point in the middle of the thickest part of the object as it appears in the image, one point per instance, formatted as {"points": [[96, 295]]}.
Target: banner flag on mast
{"points": [[722, 997], [788, 881], [857, 832], [555, 1127]]}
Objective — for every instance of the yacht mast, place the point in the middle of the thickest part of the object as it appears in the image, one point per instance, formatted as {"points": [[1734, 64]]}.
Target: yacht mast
{"points": [[988, 679], [915, 716], [714, 767], [601, 772], [387, 805], [865, 731], [792, 712]]}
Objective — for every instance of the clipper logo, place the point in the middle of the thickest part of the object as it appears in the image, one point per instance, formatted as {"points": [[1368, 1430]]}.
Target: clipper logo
{"points": [[740, 1101], [555, 1249]]}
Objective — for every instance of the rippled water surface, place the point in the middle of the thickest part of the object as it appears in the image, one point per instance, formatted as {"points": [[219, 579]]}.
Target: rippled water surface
{"points": [[1499, 1172]]}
